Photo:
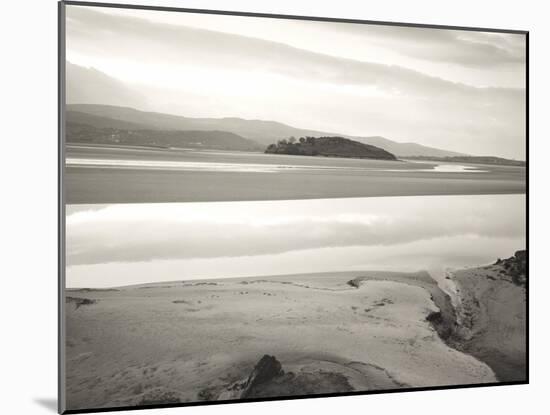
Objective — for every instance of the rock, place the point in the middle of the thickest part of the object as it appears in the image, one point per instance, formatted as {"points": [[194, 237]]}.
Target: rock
{"points": [[354, 283], [516, 267], [521, 256], [79, 302], [434, 317], [266, 369]]}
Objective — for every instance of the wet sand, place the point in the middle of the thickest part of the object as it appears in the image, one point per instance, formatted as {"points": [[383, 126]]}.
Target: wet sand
{"points": [[322, 177]]}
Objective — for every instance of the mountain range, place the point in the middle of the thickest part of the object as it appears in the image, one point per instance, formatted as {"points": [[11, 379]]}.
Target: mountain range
{"points": [[88, 90], [113, 135], [260, 132]]}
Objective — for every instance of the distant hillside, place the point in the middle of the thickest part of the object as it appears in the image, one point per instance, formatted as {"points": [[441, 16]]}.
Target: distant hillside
{"points": [[475, 159], [220, 140], [329, 146], [405, 149], [78, 117], [263, 132]]}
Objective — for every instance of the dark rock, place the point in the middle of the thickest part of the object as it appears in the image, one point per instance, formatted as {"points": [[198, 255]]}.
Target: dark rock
{"points": [[268, 379], [434, 317], [521, 255], [516, 267], [79, 302], [265, 370], [354, 283]]}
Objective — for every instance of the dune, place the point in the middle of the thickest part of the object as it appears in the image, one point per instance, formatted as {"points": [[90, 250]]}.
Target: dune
{"points": [[491, 315]]}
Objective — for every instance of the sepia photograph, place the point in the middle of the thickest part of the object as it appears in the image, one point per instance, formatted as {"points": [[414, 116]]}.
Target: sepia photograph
{"points": [[262, 207]]}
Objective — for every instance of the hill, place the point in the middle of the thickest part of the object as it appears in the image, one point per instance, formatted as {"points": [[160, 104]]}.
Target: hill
{"points": [[263, 132], [77, 117], [405, 149], [330, 147], [220, 140]]}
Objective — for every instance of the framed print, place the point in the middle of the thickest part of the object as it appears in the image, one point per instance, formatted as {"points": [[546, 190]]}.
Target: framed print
{"points": [[259, 207]]}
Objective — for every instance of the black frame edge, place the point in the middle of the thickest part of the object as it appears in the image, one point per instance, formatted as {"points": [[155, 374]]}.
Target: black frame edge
{"points": [[61, 384], [527, 285], [290, 17]]}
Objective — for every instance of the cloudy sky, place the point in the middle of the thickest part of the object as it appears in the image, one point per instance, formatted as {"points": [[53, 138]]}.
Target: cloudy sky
{"points": [[457, 90], [112, 245]]}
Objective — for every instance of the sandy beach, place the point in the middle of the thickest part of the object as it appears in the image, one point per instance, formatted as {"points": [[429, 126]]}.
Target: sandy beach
{"points": [[200, 340]]}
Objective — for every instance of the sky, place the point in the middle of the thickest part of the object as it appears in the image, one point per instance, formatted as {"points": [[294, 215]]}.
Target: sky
{"points": [[125, 244], [457, 90]]}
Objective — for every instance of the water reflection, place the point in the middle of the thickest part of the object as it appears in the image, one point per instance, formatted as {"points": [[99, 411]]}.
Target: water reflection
{"points": [[124, 244]]}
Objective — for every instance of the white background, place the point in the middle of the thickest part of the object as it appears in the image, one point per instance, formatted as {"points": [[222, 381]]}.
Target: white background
{"points": [[28, 228]]}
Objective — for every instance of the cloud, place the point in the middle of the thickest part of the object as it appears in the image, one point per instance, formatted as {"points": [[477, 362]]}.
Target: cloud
{"points": [[209, 73], [90, 86], [147, 41], [460, 47]]}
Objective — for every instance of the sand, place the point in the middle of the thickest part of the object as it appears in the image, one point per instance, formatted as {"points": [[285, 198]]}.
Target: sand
{"points": [[191, 341], [335, 178], [491, 313]]}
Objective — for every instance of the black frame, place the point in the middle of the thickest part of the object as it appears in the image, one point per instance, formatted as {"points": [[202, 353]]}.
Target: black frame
{"points": [[61, 201]]}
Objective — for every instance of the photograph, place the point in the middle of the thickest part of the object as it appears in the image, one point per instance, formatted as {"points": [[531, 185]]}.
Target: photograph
{"points": [[265, 206]]}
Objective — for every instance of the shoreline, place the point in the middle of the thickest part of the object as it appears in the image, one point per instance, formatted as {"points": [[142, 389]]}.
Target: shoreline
{"points": [[325, 177]]}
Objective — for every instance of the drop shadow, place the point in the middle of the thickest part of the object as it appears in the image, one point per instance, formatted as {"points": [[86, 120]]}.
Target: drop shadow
{"points": [[48, 403]]}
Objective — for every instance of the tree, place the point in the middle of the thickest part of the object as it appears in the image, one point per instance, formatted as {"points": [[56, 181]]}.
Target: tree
{"points": [[292, 140], [302, 140]]}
